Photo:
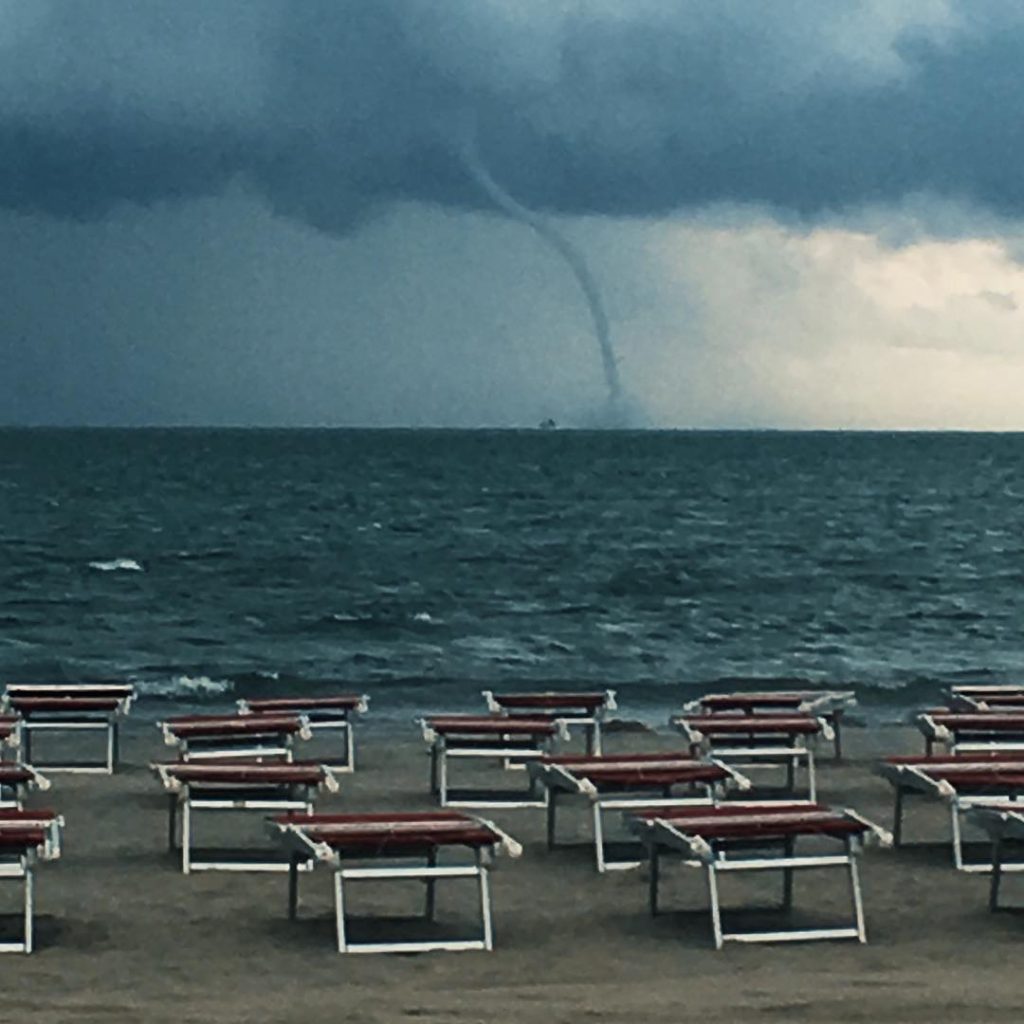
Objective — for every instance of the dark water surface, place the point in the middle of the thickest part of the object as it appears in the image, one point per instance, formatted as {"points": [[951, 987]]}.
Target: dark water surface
{"points": [[425, 565]]}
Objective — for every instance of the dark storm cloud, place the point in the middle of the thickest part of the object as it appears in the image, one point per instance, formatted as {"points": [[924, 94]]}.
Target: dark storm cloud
{"points": [[332, 108]]}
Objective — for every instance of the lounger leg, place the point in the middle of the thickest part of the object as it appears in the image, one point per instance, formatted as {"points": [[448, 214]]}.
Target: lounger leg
{"points": [[293, 887], [350, 748], [431, 886], [339, 911], [652, 878], [858, 903], [551, 811], [598, 836], [29, 906], [787, 877], [837, 742], [485, 905], [433, 768], [958, 851], [186, 836], [997, 873], [443, 786], [897, 819], [716, 913], [812, 778], [110, 747], [26, 744], [172, 821], [791, 773]]}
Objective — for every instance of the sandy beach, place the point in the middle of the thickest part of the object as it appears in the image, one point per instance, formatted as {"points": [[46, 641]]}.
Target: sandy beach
{"points": [[122, 935]]}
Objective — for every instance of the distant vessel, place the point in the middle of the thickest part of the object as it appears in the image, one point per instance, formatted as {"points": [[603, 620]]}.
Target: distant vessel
{"points": [[548, 424]]}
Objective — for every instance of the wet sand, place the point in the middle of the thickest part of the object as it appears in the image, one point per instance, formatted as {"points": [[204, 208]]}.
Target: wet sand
{"points": [[122, 935]]}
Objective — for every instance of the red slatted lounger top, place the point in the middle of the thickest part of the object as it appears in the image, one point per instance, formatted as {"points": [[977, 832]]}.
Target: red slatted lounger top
{"points": [[756, 821], [588, 702], [638, 769], [727, 725], [27, 705], [339, 702], [245, 773], [231, 725], [992, 768], [449, 725], [385, 833], [11, 774], [8, 726], [769, 699], [981, 722], [21, 831]]}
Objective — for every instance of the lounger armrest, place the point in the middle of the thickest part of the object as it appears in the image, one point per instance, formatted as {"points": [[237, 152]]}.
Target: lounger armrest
{"points": [[330, 781], [735, 778], [880, 836], [492, 705], [506, 843], [609, 701], [429, 735]]}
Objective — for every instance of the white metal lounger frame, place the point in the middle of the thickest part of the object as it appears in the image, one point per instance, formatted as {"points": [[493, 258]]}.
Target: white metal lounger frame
{"points": [[481, 749], [271, 744], [218, 796], [331, 720], [560, 781], [429, 872], [659, 835], [936, 732], [751, 755], [911, 780], [21, 867], [1000, 823], [591, 723], [827, 704], [73, 720]]}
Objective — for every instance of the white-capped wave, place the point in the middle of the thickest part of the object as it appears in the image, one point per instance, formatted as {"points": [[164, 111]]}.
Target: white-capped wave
{"points": [[117, 565], [186, 686]]}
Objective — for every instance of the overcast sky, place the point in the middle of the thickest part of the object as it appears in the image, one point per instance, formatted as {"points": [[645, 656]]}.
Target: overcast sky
{"points": [[803, 213]]}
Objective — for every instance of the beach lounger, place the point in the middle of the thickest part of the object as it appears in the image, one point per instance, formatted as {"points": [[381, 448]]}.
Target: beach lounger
{"points": [[969, 731], [15, 782], [26, 837], [964, 781], [404, 846], [244, 736], [486, 737], [748, 740], [70, 708], [999, 697], [826, 704], [235, 786], [332, 714], [733, 837], [613, 782], [586, 709], [1003, 822]]}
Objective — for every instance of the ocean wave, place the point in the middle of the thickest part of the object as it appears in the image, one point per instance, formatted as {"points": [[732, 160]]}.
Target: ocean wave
{"points": [[183, 686], [117, 565]]}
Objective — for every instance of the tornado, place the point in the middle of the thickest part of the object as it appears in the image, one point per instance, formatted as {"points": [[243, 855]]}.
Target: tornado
{"points": [[573, 259]]}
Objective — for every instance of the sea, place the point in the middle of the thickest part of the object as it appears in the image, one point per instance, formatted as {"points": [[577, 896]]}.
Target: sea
{"points": [[422, 566]]}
